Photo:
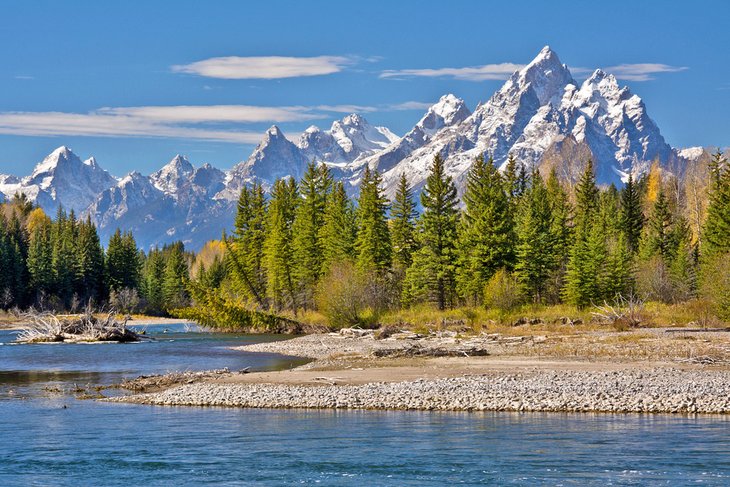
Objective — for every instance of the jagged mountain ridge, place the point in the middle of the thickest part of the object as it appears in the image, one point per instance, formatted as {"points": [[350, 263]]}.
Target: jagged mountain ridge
{"points": [[61, 178], [541, 115]]}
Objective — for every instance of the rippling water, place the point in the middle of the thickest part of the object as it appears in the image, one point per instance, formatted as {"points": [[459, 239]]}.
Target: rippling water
{"points": [[90, 443]]}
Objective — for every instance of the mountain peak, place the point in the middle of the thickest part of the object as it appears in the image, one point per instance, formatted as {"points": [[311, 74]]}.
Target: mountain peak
{"points": [[274, 132], [354, 120], [49, 163], [547, 76], [171, 175]]}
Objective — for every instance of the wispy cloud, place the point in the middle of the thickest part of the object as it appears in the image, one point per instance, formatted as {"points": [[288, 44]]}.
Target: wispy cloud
{"points": [[214, 113], [190, 122], [24, 77], [409, 105], [472, 73], [642, 71], [347, 108], [264, 67]]}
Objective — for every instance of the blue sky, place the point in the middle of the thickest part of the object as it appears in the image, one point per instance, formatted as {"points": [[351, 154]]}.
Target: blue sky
{"points": [[134, 83]]}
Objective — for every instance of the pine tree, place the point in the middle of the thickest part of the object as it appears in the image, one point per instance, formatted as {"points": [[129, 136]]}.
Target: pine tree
{"points": [[659, 239], [339, 230], [122, 262], [246, 253], [175, 278], [403, 217], [314, 189], [716, 238], [486, 234], [582, 280], [89, 271], [632, 216], [40, 260], [278, 247], [561, 231], [438, 236], [152, 282], [372, 246], [535, 257]]}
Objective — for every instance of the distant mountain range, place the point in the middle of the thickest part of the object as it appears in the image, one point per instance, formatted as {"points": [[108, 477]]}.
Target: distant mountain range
{"points": [[541, 116]]}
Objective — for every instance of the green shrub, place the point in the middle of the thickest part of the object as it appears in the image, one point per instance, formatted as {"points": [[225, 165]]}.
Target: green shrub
{"points": [[502, 291]]}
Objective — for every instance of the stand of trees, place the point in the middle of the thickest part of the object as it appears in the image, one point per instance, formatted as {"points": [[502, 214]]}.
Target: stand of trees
{"points": [[518, 238], [60, 264], [513, 238]]}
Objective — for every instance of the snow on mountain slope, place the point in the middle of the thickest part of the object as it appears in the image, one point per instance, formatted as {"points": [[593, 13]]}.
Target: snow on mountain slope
{"points": [[346, 141], [61, 179], [171, 175], [537, 106], [174, 203], [541, 116], [447, 112]]}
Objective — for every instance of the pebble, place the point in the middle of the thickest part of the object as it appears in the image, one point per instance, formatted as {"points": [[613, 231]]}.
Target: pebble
{"points": [[659, 390]]}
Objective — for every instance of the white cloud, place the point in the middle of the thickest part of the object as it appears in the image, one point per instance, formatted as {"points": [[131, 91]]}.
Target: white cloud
{"points": [[183, 121], [473, 73], [264, 67], [225, 123], [410, 105], [346, 108], [213, 113], [641, 71]]}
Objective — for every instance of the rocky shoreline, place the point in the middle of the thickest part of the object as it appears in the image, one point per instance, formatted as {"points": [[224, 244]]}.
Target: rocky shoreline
{"points": [[659, 390], [356, 370]]}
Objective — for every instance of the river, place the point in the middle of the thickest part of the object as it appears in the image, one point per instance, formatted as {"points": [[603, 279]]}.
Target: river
{"points": [[51, 438]]}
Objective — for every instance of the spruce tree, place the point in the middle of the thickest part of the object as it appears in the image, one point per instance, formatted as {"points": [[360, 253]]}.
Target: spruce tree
{"points": [[122, 261], [438, 236], [486, 234], [372, 246], [561, 231], [535, 258], [40, 260], [279, 247], [89, 262], [153, 277], [314, 189], [716, 234], [659, 240], [246, 254], [632, 216], [403, 216], [174, 284], [339, 230], [582, 280]]}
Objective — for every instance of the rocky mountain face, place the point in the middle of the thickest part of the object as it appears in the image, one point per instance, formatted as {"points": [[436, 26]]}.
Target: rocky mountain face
{"points": [[175, 203], [541, 116], [538, 107], [61, 179]]}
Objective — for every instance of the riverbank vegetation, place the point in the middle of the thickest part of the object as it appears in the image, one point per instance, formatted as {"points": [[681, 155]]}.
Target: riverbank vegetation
{"points": [[517, 247]]}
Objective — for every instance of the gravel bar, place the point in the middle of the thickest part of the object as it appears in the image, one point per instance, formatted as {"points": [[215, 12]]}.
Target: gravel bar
{"points": [[658, 390]]}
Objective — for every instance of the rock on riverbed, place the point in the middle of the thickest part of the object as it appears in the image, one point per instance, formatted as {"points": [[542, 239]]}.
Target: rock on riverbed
{"points": [[659, 390]]}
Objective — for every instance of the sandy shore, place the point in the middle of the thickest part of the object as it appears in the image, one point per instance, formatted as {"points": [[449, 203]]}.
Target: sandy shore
{"points": [[527, 373]]}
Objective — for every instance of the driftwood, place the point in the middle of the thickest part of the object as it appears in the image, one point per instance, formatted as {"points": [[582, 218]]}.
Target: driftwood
{"points": [[44, 327]]}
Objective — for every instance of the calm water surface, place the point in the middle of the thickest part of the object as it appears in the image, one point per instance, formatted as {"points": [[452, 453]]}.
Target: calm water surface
{"points": [[90, 443]]}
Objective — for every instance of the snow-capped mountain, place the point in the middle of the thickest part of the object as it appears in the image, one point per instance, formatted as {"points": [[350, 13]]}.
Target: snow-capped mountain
{"points": [[541, 116], [346, 141], [175, 203], [449, 111], [61, 179], [538, 106]]}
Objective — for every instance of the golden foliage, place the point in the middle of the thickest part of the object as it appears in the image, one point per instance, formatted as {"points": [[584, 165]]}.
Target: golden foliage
{"points": [[36, 219], [654, 183], [209, 252]]}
